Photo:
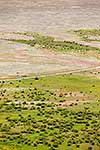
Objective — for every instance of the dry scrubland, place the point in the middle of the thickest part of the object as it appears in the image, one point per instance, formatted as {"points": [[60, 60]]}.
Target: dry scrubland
{"points": [[39, 111], [58, 112]]}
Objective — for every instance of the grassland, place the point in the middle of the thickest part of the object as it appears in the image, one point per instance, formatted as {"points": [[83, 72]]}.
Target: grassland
{"points": [[50, 113]]}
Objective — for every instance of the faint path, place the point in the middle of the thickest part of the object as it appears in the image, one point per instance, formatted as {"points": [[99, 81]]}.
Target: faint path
{"points": [[63, 104]]}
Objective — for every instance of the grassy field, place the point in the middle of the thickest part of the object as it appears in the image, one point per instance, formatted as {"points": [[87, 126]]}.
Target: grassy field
{"points": [[50, 113]]}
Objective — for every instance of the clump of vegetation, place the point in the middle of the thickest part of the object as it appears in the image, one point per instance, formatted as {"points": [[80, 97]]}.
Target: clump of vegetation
{"points": [[89, 34], [47, 42]]}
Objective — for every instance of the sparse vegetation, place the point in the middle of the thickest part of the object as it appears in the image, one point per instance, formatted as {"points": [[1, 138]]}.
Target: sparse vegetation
{"points": [[47, 42], [89, 34]]}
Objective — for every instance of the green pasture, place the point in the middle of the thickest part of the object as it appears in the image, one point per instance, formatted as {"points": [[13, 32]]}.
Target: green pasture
{"points": [[32, 115]]}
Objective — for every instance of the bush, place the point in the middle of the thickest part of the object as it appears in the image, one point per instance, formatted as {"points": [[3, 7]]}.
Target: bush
{"points": [[89, 148]]}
